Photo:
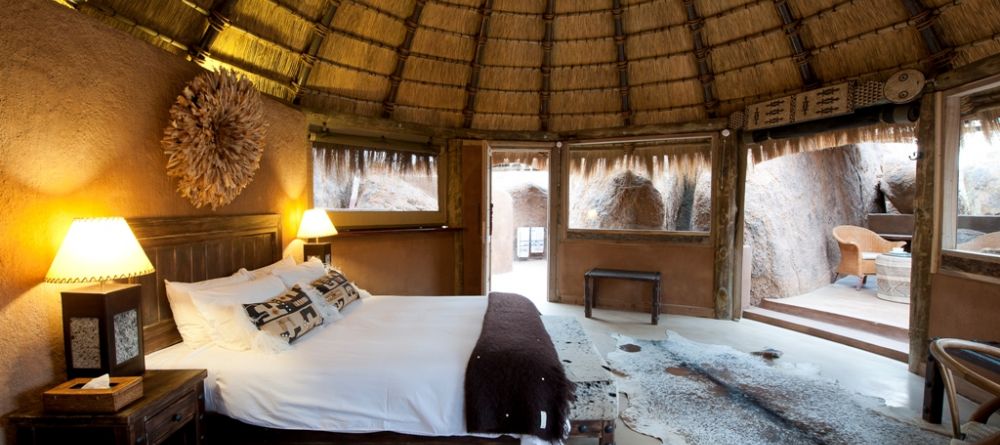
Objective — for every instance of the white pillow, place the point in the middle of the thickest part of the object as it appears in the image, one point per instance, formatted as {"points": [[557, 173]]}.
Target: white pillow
{"points": [[266, 270], [223, 308], [301, 274], [193, 327]]}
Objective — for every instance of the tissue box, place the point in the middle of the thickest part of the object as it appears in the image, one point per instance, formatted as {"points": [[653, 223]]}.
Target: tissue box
{"points": [[70, 398]]}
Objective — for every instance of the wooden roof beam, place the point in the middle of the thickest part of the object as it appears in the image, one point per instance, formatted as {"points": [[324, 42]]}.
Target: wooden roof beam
{"points": [[476, 65], [701, 52], [923, 19], [217, 22], [320, 30], [402, 53], [800, 54], [623, 84], [545, 92]]}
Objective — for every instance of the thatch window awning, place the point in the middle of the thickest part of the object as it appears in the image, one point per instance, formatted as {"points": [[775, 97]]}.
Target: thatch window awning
{"points": [[686, 158], [880, 133], [342, 161]]}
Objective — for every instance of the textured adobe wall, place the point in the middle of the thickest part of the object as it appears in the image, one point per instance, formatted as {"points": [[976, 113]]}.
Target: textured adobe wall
{"points": [[82, 110]]}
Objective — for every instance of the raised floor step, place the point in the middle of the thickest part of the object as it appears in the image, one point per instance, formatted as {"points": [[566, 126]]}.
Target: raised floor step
{"points": [[894, 332], [868, 341]]}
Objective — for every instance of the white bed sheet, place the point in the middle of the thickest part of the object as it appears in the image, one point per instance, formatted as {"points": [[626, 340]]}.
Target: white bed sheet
{"points": [[392, 364]]}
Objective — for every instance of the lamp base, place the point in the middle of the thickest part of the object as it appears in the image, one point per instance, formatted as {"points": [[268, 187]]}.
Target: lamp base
{"points": [[318, 250], [102, 329]]}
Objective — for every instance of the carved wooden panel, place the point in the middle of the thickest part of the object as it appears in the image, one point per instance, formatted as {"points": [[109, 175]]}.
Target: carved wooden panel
{"points": [[194, 249]]}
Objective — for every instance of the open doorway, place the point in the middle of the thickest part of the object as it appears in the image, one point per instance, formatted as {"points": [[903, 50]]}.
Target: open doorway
{"points": [[828, 234], [519, 222]]}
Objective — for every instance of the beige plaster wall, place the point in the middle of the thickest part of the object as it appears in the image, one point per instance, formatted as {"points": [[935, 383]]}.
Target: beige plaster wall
{"points": [[82, 110], [964, 308], [686, 272]]}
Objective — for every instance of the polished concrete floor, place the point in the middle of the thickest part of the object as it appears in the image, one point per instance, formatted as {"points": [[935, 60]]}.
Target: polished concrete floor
{"points": [[856, 370]]}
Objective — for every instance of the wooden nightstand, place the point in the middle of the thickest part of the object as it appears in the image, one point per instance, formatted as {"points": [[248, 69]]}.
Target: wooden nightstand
{"points": [[171, 410]]}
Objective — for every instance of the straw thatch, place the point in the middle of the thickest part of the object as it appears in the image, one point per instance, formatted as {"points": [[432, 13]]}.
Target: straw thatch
{"points": [[556, 65]]}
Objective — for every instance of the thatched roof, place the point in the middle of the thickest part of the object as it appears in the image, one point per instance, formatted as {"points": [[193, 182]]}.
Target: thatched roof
{"points": [[556, 65]]}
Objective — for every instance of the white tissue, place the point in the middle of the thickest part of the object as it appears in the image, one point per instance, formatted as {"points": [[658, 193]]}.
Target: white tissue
{"points": [[101, 382]]}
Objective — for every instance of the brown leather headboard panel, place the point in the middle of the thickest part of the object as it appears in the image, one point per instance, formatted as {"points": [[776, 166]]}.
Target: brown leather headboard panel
{"points": [[195, 249]]}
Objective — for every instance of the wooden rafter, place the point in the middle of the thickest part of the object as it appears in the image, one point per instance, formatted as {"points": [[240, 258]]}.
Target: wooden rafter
{"points": [[402, 53], [623, 84], [701, 52], [800, 54], [923, 18], [218, 21], [545, 92], [320, 30], [476, 65]]}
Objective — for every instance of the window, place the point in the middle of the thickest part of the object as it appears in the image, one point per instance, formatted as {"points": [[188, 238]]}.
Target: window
{"points": [[977, 204], [649, 185], [378, 186]]}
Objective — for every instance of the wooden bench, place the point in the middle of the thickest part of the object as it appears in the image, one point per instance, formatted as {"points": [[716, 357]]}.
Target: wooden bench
{"points": [[590, 286]]}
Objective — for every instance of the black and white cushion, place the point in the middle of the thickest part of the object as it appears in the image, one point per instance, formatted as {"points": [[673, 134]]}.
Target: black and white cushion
{"points": [[336, 289], [288, 316]]}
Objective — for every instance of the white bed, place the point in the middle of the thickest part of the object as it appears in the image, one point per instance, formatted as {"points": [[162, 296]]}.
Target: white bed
{"points": [[391, 364]]}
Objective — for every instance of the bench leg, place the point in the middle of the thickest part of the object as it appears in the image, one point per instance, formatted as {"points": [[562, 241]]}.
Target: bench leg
{"points": [[608, 433], [588, 295], [656, 303]]}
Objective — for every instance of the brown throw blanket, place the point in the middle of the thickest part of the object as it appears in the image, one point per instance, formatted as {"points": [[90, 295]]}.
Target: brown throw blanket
{"points": [[514, 383]]}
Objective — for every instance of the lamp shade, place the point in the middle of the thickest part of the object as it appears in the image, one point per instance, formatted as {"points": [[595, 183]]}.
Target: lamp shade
{"points": [[98, 249], [315, 224]]}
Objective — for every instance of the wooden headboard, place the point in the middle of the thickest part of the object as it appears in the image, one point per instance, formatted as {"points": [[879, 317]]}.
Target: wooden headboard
{"points": [[195, 249]]}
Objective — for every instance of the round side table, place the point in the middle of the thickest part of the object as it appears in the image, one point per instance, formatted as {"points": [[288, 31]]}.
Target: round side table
{"points": [[892, 273]]}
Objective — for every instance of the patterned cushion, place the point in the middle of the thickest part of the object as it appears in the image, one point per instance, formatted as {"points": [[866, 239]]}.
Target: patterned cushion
{"points": [[288, 316], [336, 289]]}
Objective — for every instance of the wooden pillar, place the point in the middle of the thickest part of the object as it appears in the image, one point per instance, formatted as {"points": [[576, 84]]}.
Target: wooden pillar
{"points": [[453, 158], [724, 221], [742, 162], [922, 246]]}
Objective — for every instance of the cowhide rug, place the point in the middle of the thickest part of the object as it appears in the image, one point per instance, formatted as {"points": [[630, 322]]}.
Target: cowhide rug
{"points": [[684, 392]]}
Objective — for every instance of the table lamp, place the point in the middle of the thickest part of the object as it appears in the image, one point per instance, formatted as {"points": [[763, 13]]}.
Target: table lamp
{"points": [[102, 324], [316, 224]]}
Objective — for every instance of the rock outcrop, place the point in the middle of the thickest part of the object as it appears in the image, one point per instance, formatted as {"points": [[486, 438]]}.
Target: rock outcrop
{"points": [[899, 178], [793, 202], [624, 201]]}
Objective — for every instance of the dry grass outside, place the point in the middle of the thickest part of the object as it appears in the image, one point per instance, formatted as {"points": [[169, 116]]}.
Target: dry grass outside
{"points": [[504, 102]]}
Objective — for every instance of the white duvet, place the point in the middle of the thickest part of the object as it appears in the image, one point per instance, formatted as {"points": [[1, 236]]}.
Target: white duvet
{"points": [[392, 364]]}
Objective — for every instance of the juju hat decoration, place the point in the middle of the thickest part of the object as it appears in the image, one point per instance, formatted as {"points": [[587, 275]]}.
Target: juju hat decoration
{"points": [[215, 138]]}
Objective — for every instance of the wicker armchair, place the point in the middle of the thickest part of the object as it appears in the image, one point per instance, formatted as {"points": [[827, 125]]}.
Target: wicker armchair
{"points": [[976, 430], [858, 249]]}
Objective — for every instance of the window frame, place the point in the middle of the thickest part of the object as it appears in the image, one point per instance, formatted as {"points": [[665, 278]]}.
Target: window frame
{"points": [[949, 258], [380, 219], [678, 236]]}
